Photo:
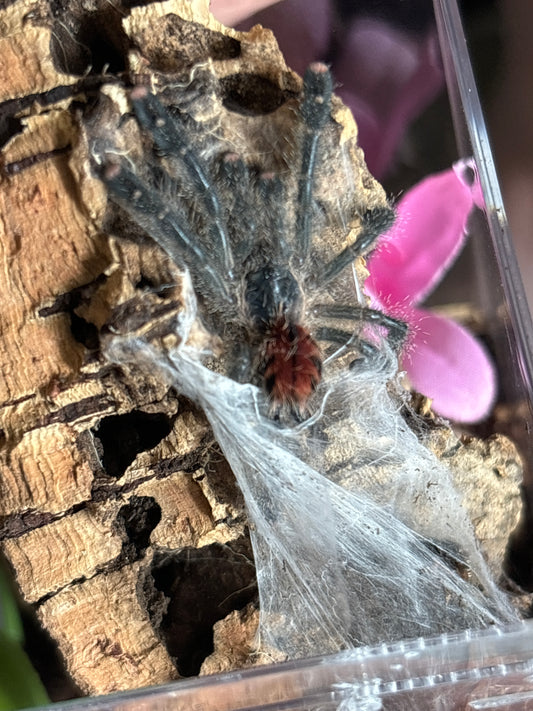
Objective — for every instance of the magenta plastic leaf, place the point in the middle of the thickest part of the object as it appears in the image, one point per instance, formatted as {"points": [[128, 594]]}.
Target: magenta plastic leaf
{"points": [[429, 232], [447, 364]]}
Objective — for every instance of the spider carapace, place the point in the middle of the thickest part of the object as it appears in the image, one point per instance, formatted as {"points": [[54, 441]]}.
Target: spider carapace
{"points": [[224, 221]]}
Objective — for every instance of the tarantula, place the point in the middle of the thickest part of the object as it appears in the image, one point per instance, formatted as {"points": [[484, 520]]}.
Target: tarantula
{"points": [[248, 268]]}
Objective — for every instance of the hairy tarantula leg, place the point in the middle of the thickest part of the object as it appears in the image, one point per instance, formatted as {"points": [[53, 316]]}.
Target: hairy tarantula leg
{"points": [[375, 223], [315, 112], [369, 353], [162, 224], [272, 193], [170, 138], [348, 339], [234, 173], [397, 329]]}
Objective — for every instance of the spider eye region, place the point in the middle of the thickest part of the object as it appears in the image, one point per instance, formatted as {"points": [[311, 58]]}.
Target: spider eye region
{"points": [[292, 365]]}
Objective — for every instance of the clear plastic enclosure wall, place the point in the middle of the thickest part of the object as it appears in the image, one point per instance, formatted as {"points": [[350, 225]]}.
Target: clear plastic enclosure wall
{"points": [[494, 276], [490, 669], [485, 670]]}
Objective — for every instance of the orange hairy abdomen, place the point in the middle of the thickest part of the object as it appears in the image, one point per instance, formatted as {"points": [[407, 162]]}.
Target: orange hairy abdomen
{"points": [[292, 365]]}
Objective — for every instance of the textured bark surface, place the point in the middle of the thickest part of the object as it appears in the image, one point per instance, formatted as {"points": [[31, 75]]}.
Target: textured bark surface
{"points": [[110, 482]]}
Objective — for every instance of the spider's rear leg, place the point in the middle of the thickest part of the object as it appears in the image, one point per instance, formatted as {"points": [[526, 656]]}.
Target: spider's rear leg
{"points": [[374, 223], [349, 340], [370, 354], [170, 137], [396, 329]]}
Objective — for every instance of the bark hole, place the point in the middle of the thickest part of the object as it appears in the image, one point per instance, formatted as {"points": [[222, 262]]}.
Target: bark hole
{"points": [[123, 437], [191, 590], [251, 94], [85, 41], [82, 330], [137, 519]]}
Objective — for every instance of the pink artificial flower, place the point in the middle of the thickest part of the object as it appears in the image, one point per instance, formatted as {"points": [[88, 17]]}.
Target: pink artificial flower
{"points": [[442, 359]]}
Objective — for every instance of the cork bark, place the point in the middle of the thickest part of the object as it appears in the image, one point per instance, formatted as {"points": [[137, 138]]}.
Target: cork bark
{"points": [[110, 481]]}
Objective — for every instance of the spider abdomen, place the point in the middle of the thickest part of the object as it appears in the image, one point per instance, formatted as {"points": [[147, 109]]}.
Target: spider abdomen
{"points": [[292, 365]]}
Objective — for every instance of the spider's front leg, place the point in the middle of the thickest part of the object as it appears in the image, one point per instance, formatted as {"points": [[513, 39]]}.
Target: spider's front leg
{"points": [[154, 203], [315, 111], [169, 134], [374, 223], [165, 225]]}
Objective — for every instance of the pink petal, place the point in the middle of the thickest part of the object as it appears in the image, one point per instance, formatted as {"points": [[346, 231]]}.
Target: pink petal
{"points": [[230, 12], [429, 232], [393, 76], [446, 363], [467, 172]]}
